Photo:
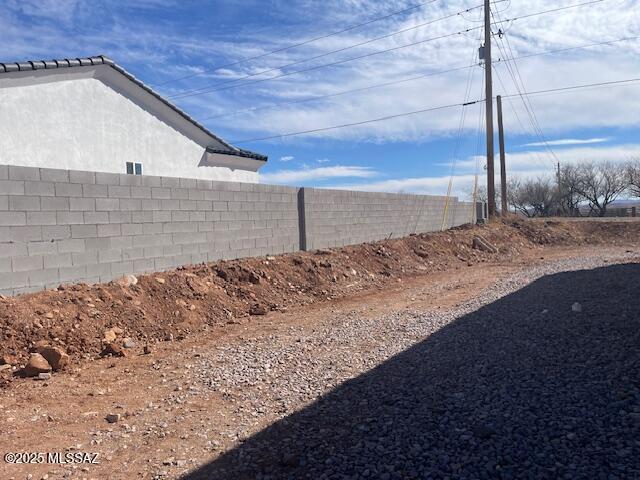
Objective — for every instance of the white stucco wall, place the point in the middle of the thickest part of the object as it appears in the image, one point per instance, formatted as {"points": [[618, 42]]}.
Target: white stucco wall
{"points": [[73, 120]]}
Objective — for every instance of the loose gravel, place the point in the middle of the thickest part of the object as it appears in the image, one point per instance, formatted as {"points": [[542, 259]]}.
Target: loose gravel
{"points": [[512, 384]]}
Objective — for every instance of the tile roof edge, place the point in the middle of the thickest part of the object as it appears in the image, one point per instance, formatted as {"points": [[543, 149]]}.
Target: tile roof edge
{"points": [[12, 67], [238, 152]]}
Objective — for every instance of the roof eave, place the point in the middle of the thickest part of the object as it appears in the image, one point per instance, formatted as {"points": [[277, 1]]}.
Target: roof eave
{"points": [[222, 158], [238, 152]]}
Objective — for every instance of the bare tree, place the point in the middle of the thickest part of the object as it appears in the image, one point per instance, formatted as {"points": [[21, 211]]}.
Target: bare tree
{"points": [[597, 184], [513, 188], [600, 184], [633, 177], [569, 196], [515, 197], [519, 201], [480, 193], [534, 197], [482, 196]]}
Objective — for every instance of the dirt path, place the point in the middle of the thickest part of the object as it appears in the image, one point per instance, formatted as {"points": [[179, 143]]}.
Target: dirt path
{"points": [[189, 401]]}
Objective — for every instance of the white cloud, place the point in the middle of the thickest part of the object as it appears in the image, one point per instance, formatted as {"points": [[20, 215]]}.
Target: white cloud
{"points": [[160, 51], [56, 10], [461, 185], [543, 160], [323, 160], [567, 141], [613, 106], [524, 165], [426, 185], [320, 173], [287, 158]]}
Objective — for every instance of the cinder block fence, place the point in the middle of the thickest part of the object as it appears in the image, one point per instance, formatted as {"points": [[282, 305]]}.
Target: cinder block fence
{"points": [[59, 226]]}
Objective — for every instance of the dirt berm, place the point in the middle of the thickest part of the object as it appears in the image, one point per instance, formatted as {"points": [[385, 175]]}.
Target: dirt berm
{"points": [[171, 305]]}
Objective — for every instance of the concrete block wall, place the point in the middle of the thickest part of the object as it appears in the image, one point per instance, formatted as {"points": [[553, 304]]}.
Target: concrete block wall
{"points": [[61, 226], [336, 218], [462, 213]]}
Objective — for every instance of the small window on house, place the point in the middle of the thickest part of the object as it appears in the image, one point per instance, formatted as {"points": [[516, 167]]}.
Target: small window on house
{"points": [[134, 168]]}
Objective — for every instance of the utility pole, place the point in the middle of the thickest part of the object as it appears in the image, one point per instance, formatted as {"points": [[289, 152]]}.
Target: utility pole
{"points": [[491, 188], [503, 165]]}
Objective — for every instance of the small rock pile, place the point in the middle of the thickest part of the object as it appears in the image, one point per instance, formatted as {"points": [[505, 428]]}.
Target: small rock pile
{"points": [[45, 358]]}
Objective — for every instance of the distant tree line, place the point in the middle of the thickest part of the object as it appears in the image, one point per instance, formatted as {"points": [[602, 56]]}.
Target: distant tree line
{"points": [[594, 185]]}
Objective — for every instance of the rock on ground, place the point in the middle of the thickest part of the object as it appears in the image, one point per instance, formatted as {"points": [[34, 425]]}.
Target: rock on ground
{"points": [[55, 356], [37, 364]]}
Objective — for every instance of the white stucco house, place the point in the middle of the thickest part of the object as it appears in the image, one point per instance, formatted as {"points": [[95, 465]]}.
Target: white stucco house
{"points": [[91, 114]]}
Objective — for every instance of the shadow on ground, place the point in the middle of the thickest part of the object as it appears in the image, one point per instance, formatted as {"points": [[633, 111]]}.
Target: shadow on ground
{"points": [[521, 388]]}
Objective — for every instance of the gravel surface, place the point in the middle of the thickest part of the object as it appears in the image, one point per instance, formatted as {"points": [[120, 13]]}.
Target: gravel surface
{"points": [[513, 384]]}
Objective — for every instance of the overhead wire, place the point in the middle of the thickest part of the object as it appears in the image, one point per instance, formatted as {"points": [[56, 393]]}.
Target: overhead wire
{"points": [[481, 20], [532, 119], [215, 87], [575, 87], [481, 116], [517, 116], [408, 79], [299, 44], [431, 109], [212, 88], [458, 140], [339, 50], [515, 74]]}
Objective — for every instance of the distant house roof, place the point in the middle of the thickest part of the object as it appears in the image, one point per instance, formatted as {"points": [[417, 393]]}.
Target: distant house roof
{"points": [[12, 67]]}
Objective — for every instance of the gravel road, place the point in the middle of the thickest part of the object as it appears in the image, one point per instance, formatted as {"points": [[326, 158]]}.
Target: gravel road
{"points": [[513, 384]]}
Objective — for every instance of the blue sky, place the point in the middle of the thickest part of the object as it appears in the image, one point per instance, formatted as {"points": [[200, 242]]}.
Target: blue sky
{"points": [[163, 41]]}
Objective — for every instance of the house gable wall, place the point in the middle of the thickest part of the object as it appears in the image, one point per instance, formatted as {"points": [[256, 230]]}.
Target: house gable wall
{"points": [[95, 119]]}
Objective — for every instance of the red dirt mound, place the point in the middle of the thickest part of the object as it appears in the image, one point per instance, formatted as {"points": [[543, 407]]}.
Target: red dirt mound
{"points": [[170, 305]]}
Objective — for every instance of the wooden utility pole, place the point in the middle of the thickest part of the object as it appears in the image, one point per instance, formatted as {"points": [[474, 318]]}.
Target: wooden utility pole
{"points": [[503, 165], [491, 188]]}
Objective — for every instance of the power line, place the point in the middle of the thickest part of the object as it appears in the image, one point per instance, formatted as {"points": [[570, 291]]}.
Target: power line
{"points": [[515, 112], [408, 79], [536, 131], [349, 47], [463, 112], [212, 88], [479, 132], [317, 67], [566, 7], [300, 44], [575, 87], [456, 150], [380, 119], [431, 109], [337, 94], [480, 20], [326, 54], [526, 100]]}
